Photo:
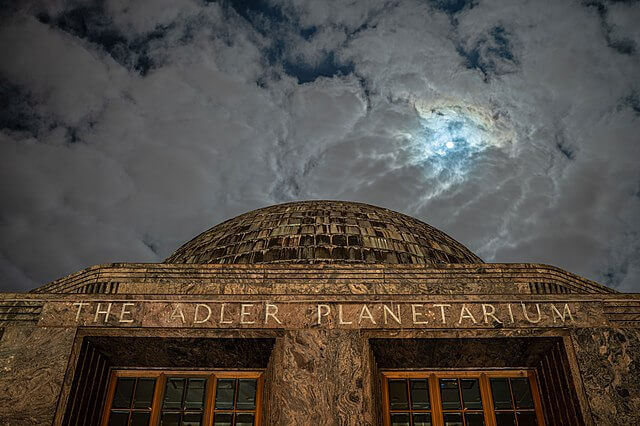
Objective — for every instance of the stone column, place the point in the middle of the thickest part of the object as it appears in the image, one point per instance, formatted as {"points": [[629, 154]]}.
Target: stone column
{"points": [[320, 377], [609, 362], [33, 362]]}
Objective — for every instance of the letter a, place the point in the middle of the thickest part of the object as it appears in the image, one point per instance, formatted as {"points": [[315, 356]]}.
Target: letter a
{"points": [[177, 313]]}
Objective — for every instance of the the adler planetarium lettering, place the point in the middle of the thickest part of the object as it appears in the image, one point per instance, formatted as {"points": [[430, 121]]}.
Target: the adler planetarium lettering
{"points": [[326, 314]]}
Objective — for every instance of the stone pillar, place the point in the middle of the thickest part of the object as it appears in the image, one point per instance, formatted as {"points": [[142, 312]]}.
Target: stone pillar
{"points": [[33, 362], [609, 362], [320, 377]]}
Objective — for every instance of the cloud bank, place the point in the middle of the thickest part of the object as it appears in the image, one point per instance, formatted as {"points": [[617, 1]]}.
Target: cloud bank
{"points": [[128, 127]]}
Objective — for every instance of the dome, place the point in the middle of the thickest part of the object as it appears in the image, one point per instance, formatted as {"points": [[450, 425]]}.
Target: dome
{"points": [[323, 232]]}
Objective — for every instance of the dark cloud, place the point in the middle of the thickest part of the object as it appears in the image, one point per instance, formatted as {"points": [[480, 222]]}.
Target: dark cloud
{"points": [[452, 7], [615, 40], [127, 127], [632, 101], [564, 148], [283, 31], [326, 67], [93, 23], [262, 15], [492, 53], [17, 109]]}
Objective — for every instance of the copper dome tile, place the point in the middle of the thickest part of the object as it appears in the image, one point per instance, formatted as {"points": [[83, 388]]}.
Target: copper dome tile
{"points": [[323, 232]]}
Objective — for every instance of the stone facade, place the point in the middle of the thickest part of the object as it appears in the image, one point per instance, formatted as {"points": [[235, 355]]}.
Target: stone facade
{"points": [[321, 332], [320, 347], [610, 370]]}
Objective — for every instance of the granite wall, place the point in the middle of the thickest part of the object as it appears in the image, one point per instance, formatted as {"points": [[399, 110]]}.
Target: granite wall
{"points": [[320, 377], [319, 369], [609, 363], [326, 376], [33, 362]]}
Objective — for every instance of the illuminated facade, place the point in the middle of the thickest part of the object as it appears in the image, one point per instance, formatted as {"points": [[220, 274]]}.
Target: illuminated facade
{"points": [[320, 313]]}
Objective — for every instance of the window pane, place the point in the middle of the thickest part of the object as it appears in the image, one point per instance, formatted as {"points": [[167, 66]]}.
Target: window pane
{"points": [[170, 419], [474, 419], [421, 419], [419, 394], [244, 419], [401, 419], [192, 419], [119, 418], [173, 394], [505, 419], [451, 419], [184, 397], [195, 394], [246, 394], [501, 393], [449, 394], [144, 393], [398, 395], [471, 394], [124, 392], [225, 391], [522, 393], [527, 418], [222, 419], [140, 418]]}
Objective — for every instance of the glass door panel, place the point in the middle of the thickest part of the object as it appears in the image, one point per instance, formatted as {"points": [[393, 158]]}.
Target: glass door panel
{"points": [[235, 401], [131, 403], [513, 401], [409, 402]]}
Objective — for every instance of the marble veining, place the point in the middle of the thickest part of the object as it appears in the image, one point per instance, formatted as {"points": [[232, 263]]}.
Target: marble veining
{"points": [[33, 362], [609, 362], [320, 379]]}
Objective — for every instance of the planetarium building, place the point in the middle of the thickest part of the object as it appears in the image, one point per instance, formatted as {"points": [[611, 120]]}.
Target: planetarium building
{"points": [[320, 313]]}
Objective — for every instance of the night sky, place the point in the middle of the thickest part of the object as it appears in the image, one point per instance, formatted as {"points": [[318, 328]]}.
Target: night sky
{"points": [[128, 127]]}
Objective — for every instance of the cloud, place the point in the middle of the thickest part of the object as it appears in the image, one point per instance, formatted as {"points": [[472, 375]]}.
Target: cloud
{"points": [[128, 127]]}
